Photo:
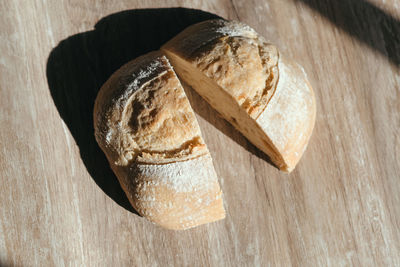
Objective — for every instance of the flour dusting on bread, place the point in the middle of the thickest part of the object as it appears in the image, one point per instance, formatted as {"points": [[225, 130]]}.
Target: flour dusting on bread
{"points": [[150, 135], [184, 176], [233, 28], [237, 72], [290, 126]]}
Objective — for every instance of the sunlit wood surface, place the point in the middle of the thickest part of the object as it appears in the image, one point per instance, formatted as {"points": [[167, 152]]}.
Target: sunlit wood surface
{"points": [[60, 204]]}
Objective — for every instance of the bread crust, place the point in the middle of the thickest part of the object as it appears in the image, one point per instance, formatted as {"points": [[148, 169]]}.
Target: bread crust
{"points": [[144, 124], [235, 57], [289, 117], [142, 114], [178, 195], [249, 69]]}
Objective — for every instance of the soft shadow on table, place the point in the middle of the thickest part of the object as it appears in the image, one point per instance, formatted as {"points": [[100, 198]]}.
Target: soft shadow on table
{"points": [[80, 64], [3, 264], [365, 21]]}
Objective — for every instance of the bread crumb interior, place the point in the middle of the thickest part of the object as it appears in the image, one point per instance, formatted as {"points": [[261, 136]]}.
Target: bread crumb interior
{"points": [[226, 105]]}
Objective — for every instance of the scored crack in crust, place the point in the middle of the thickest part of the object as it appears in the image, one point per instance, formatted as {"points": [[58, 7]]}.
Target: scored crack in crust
{"points": [[144, 124], [247, 68], [238, 59], [159, 123], [145, 117], [265, 96]]}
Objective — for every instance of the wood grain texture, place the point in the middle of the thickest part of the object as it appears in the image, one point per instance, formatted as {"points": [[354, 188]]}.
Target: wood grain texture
{"points": [[62, 206]]}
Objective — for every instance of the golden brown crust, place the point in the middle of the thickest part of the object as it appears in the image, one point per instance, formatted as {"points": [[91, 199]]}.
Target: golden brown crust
{"points": [[235, 57], [144, 124], [241, 63], [245, 68], [142, 114]]}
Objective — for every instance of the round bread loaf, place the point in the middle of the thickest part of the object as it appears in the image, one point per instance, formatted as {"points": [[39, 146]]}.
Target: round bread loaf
{"points": [[144, 124], [265, 96]]}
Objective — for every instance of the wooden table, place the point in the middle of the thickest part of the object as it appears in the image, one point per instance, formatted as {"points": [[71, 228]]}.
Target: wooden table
{"points": [[62, 206]]}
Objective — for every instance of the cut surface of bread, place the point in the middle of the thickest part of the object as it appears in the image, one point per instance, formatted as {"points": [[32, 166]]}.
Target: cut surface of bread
{"points": [[243, 77], [145, 125]]}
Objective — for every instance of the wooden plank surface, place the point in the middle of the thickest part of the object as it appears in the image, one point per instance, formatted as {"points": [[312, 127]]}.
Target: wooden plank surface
{"points": [[62, 206]]}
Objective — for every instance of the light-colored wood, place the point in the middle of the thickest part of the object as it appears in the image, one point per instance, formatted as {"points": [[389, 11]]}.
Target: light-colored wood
{"points": [[61, 205]]}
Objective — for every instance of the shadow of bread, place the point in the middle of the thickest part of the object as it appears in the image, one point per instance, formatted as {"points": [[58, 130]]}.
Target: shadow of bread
{"points": [[79, 65]]}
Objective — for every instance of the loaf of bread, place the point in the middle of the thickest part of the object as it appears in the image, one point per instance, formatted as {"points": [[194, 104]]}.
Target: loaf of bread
{"points": [[144, 124], [264, 95]]}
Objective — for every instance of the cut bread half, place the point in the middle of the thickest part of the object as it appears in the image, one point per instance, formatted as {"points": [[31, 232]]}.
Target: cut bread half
{"points": [[144, 124], [266, 97]]}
